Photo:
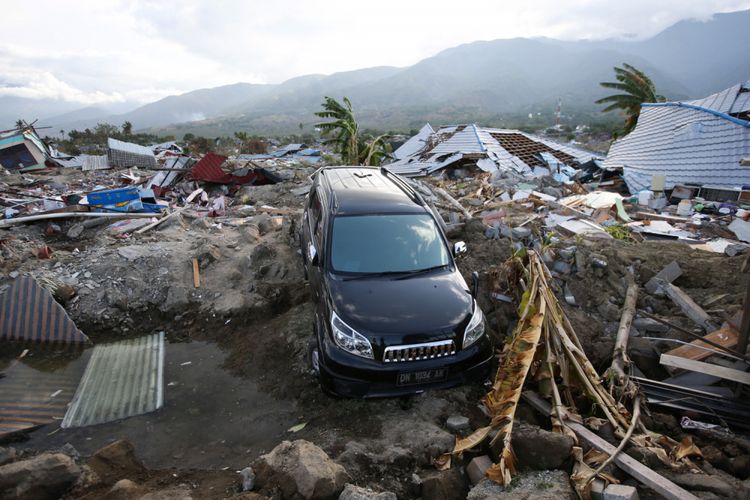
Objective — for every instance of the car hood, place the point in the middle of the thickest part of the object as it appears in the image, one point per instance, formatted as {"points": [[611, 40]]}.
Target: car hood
{"points": [[417, 309]]}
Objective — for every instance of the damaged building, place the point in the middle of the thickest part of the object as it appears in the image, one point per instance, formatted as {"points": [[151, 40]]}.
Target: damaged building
{"points": [[22, 150], [508, 151], [705, 142]]}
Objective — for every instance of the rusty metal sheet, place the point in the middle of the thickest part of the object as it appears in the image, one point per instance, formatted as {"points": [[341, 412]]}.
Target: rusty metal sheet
{"points": [[28, 312]]}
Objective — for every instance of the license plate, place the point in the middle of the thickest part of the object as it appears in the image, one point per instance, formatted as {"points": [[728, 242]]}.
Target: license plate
{"points": [[421, 377]]}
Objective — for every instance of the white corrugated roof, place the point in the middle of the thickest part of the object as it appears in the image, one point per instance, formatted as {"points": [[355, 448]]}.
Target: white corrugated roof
{"points": [[129, 147], [688, 145]]}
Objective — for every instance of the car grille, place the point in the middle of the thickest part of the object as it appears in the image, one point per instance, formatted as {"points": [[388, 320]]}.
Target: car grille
{"points": [[416, 352]]}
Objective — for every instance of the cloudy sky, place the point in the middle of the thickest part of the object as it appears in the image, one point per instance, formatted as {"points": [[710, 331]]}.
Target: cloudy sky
{"points": [[108, 52]]}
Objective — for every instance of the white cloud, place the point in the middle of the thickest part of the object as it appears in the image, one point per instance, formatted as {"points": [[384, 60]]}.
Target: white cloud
{"points": [[114, 51]]}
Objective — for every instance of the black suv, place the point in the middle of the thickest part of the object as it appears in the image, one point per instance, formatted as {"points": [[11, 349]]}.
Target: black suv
{"points": [[393, 314]]}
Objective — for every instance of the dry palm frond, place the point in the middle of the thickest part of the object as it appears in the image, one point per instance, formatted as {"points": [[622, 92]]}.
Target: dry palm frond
{"points": [[545, 349]]}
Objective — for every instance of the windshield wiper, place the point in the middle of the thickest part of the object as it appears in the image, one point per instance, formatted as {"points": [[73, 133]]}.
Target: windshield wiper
{"points": [[417, 272], [375, 275]]}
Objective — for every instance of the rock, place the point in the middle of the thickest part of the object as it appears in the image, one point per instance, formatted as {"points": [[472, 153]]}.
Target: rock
{"points": [[116, 461], [562, 267], [620, 492], [477, 468], [423, 440], [444, 485], [457, 423], [352, 492], [704, 482], [716, 457], [539, 449], [536, 485], [299, 469], [181, 492], [741, 467], [71, 451], [248, 478], [648, 325], [76, 230], [520, 233], [124, 489], [7, 455], [48, 475]]}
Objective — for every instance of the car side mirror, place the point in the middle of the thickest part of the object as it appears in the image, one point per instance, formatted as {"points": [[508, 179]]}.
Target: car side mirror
{"points": [[459, 248], [312, 254]]}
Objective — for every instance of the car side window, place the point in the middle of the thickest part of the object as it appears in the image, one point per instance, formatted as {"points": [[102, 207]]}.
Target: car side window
{"points": [[316, 210]]}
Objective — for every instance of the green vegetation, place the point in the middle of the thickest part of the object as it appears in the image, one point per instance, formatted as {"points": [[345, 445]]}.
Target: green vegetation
{"points": [[93, 140], [343, 133], [636, 88]]}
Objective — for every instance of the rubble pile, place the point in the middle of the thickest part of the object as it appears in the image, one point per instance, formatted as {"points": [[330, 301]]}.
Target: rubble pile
{"points": [[206, 248]]}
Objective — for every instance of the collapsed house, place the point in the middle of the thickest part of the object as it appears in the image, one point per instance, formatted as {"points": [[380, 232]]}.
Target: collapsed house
{"points": [[23, 150], [705, 142], [491, 150], [296, 152]]}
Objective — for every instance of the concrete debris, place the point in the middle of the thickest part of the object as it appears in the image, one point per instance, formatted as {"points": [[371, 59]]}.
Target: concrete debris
{"points": [[352, 492], [45, 476]]}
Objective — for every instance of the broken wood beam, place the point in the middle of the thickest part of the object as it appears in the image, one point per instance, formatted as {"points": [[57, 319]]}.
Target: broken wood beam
{"points": [[452, 201], [637, 470], [620, 357], [65, 215], [707, 368], [688, 306], [196, 274], [163, 219]]}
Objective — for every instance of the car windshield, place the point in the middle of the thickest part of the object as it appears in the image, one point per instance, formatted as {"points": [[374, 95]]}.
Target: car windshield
{"points": [[386, 243]]}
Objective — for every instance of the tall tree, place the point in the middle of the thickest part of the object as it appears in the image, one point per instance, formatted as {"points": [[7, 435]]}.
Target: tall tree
{"points": [[636, 88], [127, 128], [343, 131]]}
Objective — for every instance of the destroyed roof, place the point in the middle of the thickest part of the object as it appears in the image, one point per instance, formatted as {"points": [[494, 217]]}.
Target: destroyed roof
{"points": [[491, 149], [698, 142], [129, 147], [13, 155]]}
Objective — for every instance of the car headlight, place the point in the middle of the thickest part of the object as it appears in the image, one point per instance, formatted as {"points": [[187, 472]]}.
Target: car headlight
{"points": [[475, 329], [348, 339]]}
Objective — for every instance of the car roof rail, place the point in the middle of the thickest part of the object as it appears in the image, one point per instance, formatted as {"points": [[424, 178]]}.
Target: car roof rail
{"points": [[403, 185]]}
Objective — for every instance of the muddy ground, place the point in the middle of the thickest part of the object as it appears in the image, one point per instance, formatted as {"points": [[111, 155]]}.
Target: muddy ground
{"points": [[245, 334]]}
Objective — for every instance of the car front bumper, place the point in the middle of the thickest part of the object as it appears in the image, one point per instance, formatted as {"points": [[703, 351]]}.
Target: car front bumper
{"points": [[346, 375]]}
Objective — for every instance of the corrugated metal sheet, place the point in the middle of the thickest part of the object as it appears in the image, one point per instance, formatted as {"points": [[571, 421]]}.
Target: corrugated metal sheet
{"points": [[28, 312], [122, 379], [94, 162], [31, 397], [415, 143], [126, 154], [685, 144]]}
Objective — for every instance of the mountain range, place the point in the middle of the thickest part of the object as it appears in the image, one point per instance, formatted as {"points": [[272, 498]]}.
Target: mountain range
{"points": [[497, 82]]}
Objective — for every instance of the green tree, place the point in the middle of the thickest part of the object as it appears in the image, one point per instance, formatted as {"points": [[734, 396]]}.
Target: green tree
{"points": [[373, 152], [343, 131], [636, 88], [20, 124], [127, 128]]}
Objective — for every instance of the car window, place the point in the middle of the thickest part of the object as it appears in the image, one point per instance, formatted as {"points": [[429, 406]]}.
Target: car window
{"points": [[389, 242], [316, 210]]}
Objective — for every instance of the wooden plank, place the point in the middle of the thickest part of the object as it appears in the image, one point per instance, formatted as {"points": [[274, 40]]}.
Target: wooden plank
{"points": [[725, 336], [165, 218], [688, 306], [196, 274], [640, 472], [667, 218], [707, 368]]}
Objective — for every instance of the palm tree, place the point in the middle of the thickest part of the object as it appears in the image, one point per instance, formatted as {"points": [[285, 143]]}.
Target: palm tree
{"points": [[636, 88], [343, 129], [127, 128], [374, 152]]}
